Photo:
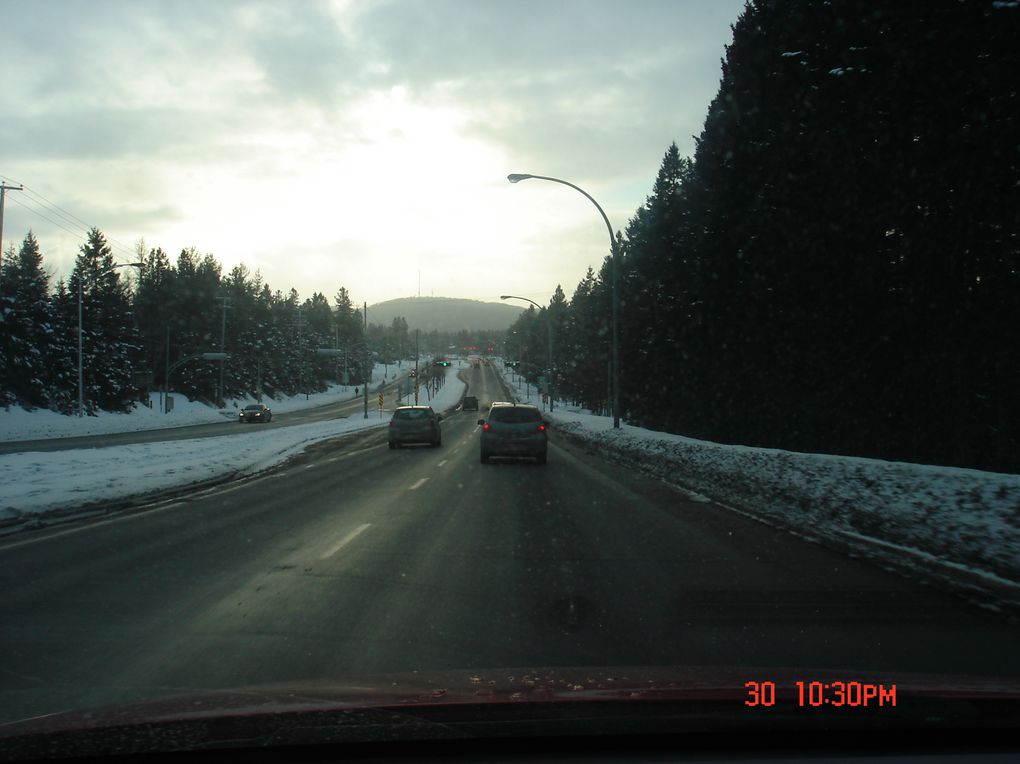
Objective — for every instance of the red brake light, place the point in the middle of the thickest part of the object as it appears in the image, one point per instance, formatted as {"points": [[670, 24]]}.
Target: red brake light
{"points": [[485, 427], [541, 428]]}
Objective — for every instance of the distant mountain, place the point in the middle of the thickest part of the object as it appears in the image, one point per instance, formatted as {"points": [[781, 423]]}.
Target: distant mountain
{"points": [[445, 314]]}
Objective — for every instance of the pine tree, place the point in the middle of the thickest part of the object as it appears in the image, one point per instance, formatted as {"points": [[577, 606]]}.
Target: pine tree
{"points": [[28, 327], [110, 341]]}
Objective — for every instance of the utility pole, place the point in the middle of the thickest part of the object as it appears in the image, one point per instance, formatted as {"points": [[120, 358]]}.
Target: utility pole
{"points": [[416, 351], [223, 336], [165, 392], [4, 188], [299, 324], [368, 368]]}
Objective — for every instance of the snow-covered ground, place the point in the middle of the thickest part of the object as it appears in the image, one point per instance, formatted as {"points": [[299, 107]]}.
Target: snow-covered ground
{"points": [[960, 525], [18, 424], [34, 483]]}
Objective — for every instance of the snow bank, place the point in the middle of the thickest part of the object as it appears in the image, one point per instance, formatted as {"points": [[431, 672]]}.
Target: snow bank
{"points": [[37, 483], [964, 522], [18, 424]]}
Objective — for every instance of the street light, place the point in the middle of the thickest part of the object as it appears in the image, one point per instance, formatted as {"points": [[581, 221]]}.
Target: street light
{"points": [[548, 316], [81, 375], [615, 356]]}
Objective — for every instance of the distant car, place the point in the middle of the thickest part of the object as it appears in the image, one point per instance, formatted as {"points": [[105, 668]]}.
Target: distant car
{"points": [[470, 403], [415, 424], [513, 429], [256, 412]]}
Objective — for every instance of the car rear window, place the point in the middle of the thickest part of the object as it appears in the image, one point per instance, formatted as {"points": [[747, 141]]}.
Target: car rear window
{"points": [[515, 415], [253, 408], [411, 414]]}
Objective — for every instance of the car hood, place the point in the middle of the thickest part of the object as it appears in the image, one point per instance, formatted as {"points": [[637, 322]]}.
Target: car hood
{"points": [[504, 703]]}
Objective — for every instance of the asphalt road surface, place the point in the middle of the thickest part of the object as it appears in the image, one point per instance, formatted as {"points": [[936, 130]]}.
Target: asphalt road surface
{"points": [[229, 426], [355, 560]]}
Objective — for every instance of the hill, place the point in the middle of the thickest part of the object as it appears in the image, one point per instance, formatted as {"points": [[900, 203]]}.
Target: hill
{"points": [[445, 314]]}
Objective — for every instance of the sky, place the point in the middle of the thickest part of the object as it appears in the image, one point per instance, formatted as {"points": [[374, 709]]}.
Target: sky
{"points": [[354, 143]]}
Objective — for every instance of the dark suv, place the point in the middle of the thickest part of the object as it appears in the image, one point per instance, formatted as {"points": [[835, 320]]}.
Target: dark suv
{"points": [[415, 424], [513, 429], [470, 403]]}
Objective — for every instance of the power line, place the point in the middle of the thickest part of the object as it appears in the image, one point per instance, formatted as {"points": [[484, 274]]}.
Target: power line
{"points": [[50, 220], [68, 217]]}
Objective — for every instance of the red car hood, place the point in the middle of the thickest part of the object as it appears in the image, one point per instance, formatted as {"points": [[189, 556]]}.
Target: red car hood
{"points": [[434, 704]]}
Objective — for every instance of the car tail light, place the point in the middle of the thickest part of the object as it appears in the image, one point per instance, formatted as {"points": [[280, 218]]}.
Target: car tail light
{"points": [[541, 428], [485, 427]]}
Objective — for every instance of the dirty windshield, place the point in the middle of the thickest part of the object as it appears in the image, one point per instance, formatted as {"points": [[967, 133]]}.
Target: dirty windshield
{"points": [[751, 268]]}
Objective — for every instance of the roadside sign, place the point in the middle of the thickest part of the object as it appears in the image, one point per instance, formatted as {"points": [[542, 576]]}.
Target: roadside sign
{"points": [[380, 400]]}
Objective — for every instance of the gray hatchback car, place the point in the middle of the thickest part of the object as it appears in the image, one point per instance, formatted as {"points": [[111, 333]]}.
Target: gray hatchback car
{"points": [[514, 429], [415, 424]]}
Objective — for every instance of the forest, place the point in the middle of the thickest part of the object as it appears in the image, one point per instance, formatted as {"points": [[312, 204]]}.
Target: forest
{"points": [[135, 330], [835, 269]]}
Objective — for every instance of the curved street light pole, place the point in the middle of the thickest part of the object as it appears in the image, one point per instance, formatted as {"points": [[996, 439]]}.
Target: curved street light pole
{"points": [[81, 375], [615, 351], [548, 316]]}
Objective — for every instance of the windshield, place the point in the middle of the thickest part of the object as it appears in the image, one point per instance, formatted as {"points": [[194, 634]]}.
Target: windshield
{"points": [[750, 272]]}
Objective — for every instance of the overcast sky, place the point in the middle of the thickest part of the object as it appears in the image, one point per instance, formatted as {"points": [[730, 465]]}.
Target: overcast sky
{"points": [[351, 143]]}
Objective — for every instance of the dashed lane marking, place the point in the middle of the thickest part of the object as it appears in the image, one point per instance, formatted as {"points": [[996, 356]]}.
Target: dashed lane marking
{"points": [[345, 541]]}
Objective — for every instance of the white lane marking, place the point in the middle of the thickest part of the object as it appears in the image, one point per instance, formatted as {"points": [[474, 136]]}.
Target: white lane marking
{"points": [[89, 526], [442, 463], [133, 515], [308, 467], [345, 540], [418, 484]]}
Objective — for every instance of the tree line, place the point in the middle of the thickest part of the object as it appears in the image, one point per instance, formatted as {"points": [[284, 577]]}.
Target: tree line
{"points": [[136, 330], [837, 267]]}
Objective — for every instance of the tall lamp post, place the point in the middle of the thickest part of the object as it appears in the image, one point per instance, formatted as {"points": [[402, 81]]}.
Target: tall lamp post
{"points": [[81, 374], [615, 352], [548, 316]]}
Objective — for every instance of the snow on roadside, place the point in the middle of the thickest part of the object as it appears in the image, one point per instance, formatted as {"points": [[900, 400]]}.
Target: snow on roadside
{"points": [[967, 519], [18, 424], [38, 482]]}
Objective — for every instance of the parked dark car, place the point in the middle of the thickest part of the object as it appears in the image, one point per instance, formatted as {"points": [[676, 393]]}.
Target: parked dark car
{"points": [[256, 412], [415, 424], [513, 430], [470, 403]]}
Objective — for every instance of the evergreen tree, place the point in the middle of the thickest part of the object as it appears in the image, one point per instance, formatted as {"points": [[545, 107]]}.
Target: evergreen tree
{"points": [[110, 342], [27, 327]]}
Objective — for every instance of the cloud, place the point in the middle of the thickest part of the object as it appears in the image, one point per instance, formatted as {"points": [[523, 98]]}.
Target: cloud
{"points": [[376, 131]]}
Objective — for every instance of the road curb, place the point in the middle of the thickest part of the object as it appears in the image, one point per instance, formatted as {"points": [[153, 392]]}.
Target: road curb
{"points": [[102, 509], [976, 586]]}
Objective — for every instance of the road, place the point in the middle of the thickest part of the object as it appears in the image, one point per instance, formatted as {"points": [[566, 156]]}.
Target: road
{"points": [[227, 427], [355, 560]]}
